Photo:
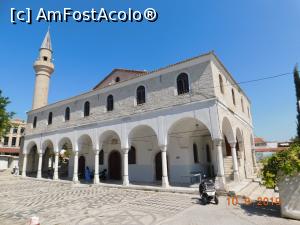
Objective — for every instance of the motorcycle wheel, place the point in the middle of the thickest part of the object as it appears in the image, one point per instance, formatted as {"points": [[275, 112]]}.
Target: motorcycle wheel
{"points": [[216, 200]]}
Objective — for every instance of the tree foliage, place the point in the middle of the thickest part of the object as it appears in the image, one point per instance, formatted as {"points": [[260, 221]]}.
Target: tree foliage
{"points": [[4, 115], [284, 163], [297, 86]]}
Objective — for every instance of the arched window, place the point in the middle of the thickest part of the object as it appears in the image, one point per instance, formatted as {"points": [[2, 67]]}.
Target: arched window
{"points": [[67, 114], [110, 103], [140, 95], [34, 122], [242, 103], [117, 79], [132, 156], [233, 96], [183, 84], [101, 157], [86, 109], [195, 151], [208, 157], [221, 84], [50, 118]]}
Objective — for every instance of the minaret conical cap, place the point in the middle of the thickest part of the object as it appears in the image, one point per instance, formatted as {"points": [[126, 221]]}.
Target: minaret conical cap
{"points": [[47, 42]]}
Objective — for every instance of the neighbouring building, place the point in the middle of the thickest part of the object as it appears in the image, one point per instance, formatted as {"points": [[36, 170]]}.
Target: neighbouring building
{"points": [[264, 149], [161, 126], [10, 144]]}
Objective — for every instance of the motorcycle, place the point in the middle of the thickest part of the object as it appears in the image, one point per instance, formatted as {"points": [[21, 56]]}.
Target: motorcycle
{"points": [[207, 191]]}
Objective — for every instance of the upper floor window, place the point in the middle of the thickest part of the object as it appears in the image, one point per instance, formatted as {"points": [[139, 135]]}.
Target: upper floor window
{"points": [[6, 140], [110, 103], [242, 103], [233, 96], [34, 122], [15, 130], [140, 95], [86, 109], [67, 114], [22, 130], [195, 152], [183, 84], [14, 141], [50, 118], [221, 84], [117, 79], [132, 155]]}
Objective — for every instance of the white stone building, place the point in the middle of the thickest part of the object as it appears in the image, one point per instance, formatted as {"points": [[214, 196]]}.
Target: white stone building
{"points": [[144, 127]]}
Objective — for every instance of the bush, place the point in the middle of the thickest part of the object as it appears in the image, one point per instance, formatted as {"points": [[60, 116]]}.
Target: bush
{"points": [[284, 163]]}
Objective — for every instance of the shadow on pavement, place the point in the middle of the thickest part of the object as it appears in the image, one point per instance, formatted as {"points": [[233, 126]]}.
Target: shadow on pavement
{"points": [[259, 209]]}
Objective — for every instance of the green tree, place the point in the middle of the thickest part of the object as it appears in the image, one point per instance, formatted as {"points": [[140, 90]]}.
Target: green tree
{"points": [[297, 86], [4, 115], [281, 164]]}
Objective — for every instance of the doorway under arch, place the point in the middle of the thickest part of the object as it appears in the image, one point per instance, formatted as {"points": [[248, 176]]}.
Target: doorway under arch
{"points": [[158, 166], [114, 165], [81, 167]]}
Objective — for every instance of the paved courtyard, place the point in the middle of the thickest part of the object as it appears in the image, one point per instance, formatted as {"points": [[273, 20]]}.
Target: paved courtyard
{"points": [[64, 203]]}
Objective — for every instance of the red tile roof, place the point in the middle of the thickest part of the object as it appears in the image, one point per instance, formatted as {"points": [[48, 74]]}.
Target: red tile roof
{"points": [[270, 149], [259, 140], [9, 150]]}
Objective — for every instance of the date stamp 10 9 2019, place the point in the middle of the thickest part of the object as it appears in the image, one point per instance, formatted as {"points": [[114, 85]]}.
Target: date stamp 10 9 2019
{"points": [[260, 201]]}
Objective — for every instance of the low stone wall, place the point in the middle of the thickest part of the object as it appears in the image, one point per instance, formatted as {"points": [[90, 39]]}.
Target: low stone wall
{"points": [[7, 161], [289, 192]]}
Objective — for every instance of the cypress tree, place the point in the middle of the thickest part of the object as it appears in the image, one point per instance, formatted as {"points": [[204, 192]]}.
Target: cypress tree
{"points": [[297, 86]]}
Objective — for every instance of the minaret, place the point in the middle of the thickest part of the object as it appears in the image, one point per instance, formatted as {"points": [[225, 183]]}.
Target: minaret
{"points": [[43, 67]]}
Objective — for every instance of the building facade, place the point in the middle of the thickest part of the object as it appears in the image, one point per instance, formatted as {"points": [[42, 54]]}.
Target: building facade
{"points": [[144, 127], [264, 149], [11, 143]]}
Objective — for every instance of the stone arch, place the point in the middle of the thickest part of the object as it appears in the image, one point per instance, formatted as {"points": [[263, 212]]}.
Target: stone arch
{"points": [[32, 159], [86, 150], [183, 135], [66, 160], [48, 159], [110, 143], [134, 133], [29, 146], [227, 130], [144, 139]]}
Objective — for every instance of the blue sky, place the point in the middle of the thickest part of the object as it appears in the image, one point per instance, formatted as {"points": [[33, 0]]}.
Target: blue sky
{"points": [[254, 39]]}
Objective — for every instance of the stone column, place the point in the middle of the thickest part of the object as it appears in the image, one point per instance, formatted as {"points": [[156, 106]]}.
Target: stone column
{"points": [[255, 168], [75, 172], [235, 162], [24, 165], [165, 179], [96, 174], [220, 179], [125, 166], [55, 176], [39, 172]]}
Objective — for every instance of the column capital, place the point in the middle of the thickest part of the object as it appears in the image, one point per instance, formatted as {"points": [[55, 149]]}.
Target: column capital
{"points": [[96, 151], [232, 144], [125, 150], [163, 148], [218, 141]]}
